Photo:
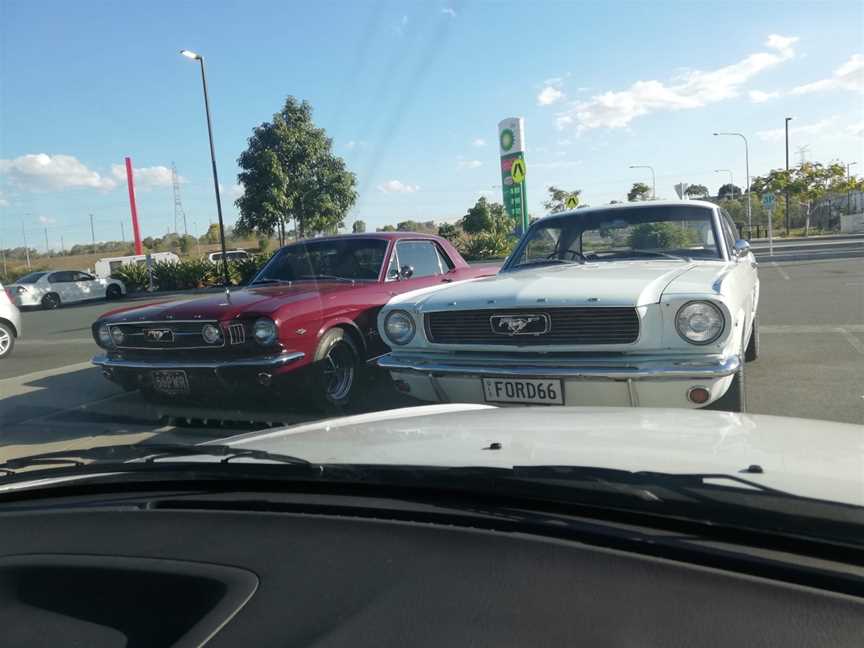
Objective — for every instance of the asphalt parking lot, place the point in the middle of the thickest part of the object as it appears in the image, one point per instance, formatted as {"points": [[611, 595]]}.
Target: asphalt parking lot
{"points": [[812, 366]]}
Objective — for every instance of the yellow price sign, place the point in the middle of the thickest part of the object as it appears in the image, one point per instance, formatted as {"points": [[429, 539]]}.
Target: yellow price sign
{"points": [[517, 171], [572, 202]]}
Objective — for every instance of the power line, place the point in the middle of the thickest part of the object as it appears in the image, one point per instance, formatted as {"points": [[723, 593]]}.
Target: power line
{"points": [[178, 204]]}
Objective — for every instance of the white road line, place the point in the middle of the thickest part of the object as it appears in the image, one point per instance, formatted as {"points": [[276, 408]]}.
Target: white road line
{"points": [[845, 329], [782, 272], [47, 342], [45, 373], [856, 344]]}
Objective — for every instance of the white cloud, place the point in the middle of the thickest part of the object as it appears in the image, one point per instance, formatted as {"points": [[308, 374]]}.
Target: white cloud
{"points": [[449, 11], [3, 201], [777, 134], [146, 177], [47, 221], [549, 95], [854, 129], [469, 164], [45, 172], [693, 89], [395, 186], [849, 76], [758, 96], [478, 142]]}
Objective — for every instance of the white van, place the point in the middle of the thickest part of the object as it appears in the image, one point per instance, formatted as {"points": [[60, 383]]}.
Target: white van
{"points": [[107, 266], [233, 255]]}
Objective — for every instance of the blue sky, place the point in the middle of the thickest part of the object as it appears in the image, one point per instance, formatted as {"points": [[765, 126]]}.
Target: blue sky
{"points": [[411, 93]]}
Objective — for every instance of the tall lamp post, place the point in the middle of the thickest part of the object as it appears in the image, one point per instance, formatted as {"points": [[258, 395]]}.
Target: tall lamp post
{"points": [[747, 169], [653, 178], [786, 193], [197, 57], [731, 180]]}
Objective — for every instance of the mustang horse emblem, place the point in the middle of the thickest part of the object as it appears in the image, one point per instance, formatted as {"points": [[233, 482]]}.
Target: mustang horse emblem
{"points": [[519, 324], [159, 335]]}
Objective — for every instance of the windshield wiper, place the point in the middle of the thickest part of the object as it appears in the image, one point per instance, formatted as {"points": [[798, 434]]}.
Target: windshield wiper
{"points": [[143, 453], [536, 262], [326, 276], [652, 253]]}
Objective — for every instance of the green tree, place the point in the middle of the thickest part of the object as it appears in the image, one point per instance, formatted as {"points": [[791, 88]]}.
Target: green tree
{"points": [[639, 191], [212, 234], [479, 217], [729, 192], [358, 227], [407, 226], [557, 201], [387, 228], [289, 171], [659, 236], [696, 191], [449, 231], [186, 242]]}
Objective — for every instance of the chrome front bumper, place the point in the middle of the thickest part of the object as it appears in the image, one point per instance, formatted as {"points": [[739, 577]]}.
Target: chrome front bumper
{"points": [[261, 362], [601, 368]]}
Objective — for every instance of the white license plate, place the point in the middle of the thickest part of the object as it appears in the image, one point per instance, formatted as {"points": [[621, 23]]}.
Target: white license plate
{"points": [[523, 390], [173, 383]]}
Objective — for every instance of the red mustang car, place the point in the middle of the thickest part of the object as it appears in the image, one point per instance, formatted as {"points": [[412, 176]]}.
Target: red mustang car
{"points": [[312, 307]]}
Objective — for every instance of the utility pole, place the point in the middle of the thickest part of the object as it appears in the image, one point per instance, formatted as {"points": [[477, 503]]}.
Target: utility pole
{"points": [[179, 212], [26, 249], [62, 245], [786, 193], [802, 152], [92, 234], [46, 242], [122, 232]]}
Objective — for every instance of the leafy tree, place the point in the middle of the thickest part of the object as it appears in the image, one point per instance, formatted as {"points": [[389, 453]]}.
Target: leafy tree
{"points": [[212, 234], [407, 226], [639, 191], [387, 228], [659, 236], [289, 171], [186, 243], [696, 191], [479, 217], [729, 191], [449, 231], [358, 227], [558, 198]]}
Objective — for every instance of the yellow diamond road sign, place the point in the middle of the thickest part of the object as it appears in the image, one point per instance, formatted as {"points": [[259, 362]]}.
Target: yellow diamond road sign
{"points": [[517, 171], [572, 202]]}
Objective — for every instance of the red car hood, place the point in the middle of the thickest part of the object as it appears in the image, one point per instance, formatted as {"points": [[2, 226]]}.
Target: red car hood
{"points": [[264, 300]]}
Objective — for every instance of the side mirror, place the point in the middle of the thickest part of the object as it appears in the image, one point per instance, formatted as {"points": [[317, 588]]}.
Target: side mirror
{"points": [[392, 273], [741, 248], [406, 272]]}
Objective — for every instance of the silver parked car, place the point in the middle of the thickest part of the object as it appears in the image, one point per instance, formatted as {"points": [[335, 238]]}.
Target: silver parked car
{"points": [[10, 323], [50, 289]]}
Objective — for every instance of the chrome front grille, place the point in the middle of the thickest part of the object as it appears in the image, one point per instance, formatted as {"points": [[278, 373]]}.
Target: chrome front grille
{"points": [[236, 334], [169, 334], [540, 326]]}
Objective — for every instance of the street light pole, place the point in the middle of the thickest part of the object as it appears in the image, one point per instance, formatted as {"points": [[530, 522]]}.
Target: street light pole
{"points": [[197, 57], [731, 180], [786, 192], [653, 178], [747, 170]]}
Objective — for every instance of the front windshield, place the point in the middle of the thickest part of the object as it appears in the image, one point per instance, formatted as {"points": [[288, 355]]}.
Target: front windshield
{"points": [[356, 258], [619, 234], [33, 277], [597, 212]]}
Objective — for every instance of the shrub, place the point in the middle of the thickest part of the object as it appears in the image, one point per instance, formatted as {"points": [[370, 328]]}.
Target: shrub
{"points": [[134, 277]]}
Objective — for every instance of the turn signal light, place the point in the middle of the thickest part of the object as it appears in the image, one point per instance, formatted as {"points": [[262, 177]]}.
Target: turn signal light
{"points": [[698, 395]]}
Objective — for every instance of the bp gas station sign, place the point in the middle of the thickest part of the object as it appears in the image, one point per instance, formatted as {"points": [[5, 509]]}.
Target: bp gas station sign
{"points": [[511, 143]]}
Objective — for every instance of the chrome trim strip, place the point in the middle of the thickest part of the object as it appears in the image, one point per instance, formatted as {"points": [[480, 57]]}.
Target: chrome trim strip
{"points": [[268, 362], [612, 369]]}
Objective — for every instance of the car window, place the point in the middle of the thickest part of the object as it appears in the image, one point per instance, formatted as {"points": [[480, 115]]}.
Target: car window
{"points": [[64, 276], [421, 256], [355, 258], [82, 276], [31, 278], [444, 260]]}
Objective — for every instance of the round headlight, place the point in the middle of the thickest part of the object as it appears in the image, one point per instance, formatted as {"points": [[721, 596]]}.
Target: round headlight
{"points": [[264, 331], [399, 327], [211, 333], [105, 337], [117, 336], [699, 322]]}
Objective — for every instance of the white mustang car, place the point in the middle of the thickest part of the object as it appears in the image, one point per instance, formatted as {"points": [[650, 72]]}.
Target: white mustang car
{"points": [[50, 289], [650, 304]]}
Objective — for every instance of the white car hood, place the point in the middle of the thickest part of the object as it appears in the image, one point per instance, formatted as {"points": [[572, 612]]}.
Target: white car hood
{"points": [[618, 283], [806, 457]]}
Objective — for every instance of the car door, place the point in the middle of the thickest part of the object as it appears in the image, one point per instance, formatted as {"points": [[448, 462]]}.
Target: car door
{"points": [[62, 282], [88, 286], [743, 280], [415, 264]]}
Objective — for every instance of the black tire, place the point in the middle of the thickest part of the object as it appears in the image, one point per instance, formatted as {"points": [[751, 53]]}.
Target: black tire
{"points": [[51, 301], [735, 398], [7, 340], [337, 371], [113, 292], [752, 352]]}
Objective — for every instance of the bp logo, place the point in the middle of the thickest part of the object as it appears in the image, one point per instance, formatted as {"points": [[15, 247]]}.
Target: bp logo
{"points": [[506, 139]]}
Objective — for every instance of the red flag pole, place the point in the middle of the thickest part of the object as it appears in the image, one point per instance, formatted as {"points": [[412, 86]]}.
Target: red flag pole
{"points": [[136, 233]]}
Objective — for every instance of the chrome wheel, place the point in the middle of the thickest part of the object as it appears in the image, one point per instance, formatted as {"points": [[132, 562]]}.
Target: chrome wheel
{"points": [[338, 369], [5, 341]]}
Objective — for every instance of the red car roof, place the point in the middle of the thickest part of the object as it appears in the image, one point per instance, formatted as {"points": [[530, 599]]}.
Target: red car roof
{"points": [[387, 236]]}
